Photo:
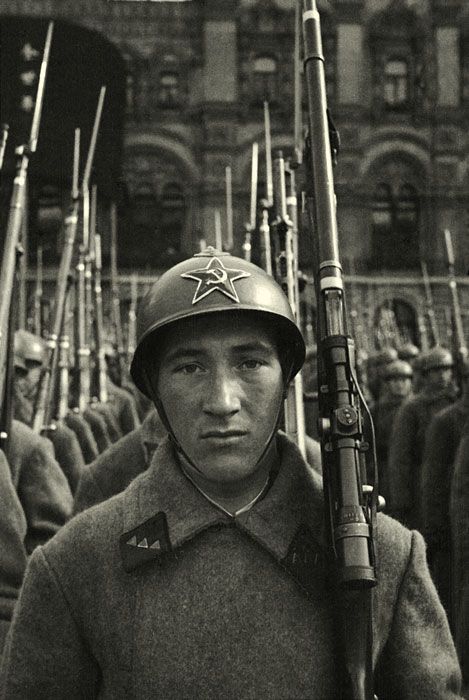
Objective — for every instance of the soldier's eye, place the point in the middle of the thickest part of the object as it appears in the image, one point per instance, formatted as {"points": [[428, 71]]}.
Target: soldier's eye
{"points": [[191, 368], [251, 364]]}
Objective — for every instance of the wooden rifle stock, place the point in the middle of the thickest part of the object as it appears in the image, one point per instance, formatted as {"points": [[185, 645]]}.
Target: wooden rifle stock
{"points": [[350, 506], [430, 308], [115, 299], [3, 143], [44, 410], [250, 226], [84, 289], [132, 328], [459, 342], [100, 352], [38, 292], [16, 218], [287, 276]]}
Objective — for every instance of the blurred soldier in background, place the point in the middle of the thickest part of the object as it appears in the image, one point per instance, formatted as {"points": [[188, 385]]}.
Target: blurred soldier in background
{"points": [[397, 385], [13, 557], [29, 353], [409, 432], [459, 518], [441, 445], [376, 365]]}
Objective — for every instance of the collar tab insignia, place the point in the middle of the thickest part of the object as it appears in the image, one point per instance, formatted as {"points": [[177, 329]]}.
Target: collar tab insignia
{"points": [[215, 277], [145, 543]]}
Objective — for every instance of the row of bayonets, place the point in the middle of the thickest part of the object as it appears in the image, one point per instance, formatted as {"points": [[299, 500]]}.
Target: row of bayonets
{"points": [[52, 400], [52, 397]]}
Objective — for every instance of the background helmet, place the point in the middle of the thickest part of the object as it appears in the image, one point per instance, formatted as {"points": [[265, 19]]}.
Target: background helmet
{"points": [[397, 370], [384, 357], [436, 358], [29, 347], [408, 352], [212, 282]]}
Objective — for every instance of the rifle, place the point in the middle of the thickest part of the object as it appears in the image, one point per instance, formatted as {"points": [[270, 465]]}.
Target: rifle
{"points": [[430, 308], [218, 236], [350, 503], [458, 340], [359, 335], [132, 328], [115, 301], [229, 208], [287, 275], [63, 366], [3, 142], [250, 226], [101, 368], [38, 292], [84, 284], [264, 228], [44, 411], [15, 222]]}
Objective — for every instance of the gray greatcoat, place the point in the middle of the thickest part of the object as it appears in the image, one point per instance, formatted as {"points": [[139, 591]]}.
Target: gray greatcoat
{"points": [[117, 466], [406, 454], [443, 437], [117, 606], [41, 485], [12, 550], [459, 517]]}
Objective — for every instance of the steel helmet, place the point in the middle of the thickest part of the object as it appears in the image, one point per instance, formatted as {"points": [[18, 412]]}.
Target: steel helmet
{"points": [[398, 369], [408, 351], [212, 282], [436, 358], [28, 346], [383, 357]]}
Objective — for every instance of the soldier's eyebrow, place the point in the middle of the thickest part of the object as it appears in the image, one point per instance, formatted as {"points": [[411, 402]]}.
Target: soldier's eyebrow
{"points": [[187, 352], [183, 353], [254, 346]]}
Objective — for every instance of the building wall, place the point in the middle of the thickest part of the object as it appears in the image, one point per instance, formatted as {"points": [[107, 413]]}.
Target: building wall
{"points": [[194, 106]]}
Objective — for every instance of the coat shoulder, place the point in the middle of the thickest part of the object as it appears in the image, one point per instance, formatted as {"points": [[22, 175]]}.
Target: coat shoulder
{"points": [[119, 464]]}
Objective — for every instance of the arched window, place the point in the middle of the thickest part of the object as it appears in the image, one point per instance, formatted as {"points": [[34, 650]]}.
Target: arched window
{"points": [[407, 209], [382, 208], [173, 211], [145, 206], [264, 82], [169, 92], [395, 219], [396, 83]]}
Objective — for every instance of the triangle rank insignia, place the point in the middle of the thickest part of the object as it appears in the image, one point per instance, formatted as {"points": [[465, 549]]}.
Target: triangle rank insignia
{"points": [[145, 543], [215, 277]]}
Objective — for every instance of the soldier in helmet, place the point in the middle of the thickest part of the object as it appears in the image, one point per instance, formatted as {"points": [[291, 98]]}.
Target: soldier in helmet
{"points": [[397, 385], [28, 360], [459, 525], [408, 352], [409, 433], [376, 364], [206, 576], [442, 441], [30, 348]]}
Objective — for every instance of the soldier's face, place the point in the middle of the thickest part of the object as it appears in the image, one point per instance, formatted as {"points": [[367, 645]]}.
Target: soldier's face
{"points": [[439, 378], [221, 386], [400, 386]]}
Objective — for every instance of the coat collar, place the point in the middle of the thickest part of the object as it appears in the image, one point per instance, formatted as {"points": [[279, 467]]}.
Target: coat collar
{"points": [[294, 501], [152, 433]]}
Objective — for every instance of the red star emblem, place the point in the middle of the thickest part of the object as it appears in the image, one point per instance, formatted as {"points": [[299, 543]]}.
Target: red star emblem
{"points": [[215, 277]]}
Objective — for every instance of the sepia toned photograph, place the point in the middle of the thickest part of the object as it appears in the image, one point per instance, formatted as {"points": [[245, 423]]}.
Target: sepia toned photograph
{"points": [[234, 365]]}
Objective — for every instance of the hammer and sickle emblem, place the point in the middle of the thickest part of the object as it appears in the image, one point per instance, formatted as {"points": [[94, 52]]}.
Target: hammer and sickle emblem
{"points": [[219, 274]]}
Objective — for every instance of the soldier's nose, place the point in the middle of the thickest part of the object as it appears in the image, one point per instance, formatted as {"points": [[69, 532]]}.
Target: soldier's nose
{"points": [[222, 397]]}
